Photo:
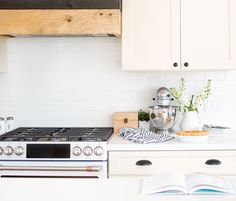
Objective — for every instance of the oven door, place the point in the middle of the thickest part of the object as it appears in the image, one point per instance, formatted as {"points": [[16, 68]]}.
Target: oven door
{"points": [[59, 169]]}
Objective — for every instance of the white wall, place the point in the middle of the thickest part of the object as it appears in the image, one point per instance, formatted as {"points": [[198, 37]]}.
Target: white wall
{"points": [[79, 82]]}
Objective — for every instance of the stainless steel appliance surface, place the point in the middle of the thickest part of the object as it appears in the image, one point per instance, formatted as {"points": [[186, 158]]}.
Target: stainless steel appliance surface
{"points": [[162, 119], [163, 115], [54, 152]]}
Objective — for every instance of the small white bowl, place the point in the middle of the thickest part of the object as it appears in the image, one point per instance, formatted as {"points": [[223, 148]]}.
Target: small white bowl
{"points": [[192, 139]]}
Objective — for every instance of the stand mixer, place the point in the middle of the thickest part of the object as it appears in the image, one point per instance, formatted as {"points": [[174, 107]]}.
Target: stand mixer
{"points": [[163, 115]]}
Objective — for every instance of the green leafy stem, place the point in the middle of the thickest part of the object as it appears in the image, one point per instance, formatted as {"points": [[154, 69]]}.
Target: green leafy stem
{"points": [[194, 103]]}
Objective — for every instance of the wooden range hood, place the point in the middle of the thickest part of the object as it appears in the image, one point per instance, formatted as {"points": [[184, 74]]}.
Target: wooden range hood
{"points": [[60, 18]]}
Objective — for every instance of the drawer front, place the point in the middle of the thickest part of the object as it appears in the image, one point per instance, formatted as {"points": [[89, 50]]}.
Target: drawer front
{"points": [[152, 162]]}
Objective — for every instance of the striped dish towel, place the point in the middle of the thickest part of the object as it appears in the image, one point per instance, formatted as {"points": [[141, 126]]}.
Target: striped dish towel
{"points": [[142, 136]]}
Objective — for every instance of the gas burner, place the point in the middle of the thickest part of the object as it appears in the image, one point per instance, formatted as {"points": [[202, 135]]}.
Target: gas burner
{"points": [[58, 134]]}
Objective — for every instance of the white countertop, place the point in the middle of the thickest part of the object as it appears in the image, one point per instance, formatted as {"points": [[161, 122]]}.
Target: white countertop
{"points": [[226, 141], [125, 189]]}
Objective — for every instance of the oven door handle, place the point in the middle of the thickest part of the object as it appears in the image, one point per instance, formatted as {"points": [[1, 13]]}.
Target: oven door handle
{"points": [[51, 168]]}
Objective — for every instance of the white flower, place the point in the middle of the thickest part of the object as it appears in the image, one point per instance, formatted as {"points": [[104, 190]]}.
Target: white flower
{"points": [[190, 104]]}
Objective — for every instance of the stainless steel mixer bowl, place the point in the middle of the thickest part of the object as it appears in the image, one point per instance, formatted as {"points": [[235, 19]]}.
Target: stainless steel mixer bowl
{"points": [[162, 118]]}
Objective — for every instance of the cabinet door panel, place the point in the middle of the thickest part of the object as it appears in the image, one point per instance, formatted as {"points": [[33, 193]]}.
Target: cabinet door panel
{"points": [[150, 34], [3, 54], [233, 34], [205, 36]]}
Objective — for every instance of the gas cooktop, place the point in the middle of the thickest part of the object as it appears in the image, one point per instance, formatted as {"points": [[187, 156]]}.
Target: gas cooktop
{"points": [[86, 134], [55, 152]]}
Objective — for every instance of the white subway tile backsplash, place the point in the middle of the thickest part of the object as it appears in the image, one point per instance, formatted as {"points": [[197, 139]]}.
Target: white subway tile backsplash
{"points": [[79, 82], [194, 76], [216, 75], [214, 105]]}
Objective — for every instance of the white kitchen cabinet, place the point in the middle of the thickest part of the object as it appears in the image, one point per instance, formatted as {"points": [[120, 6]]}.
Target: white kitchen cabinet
{"points": [[216, 156], [3, 54], [205, 34], [132, 163], [148, 42], [179, 34], [232, 33]]}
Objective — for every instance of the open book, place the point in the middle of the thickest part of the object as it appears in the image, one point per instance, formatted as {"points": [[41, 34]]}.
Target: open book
{"points": [[178, 183]]}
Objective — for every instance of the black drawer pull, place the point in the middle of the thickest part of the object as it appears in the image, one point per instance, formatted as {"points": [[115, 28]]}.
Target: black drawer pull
{"points": [[213, 162], [143, 163]]}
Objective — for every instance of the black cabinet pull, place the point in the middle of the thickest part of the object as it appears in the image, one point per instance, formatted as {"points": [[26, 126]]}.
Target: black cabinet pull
{"points": [[213, 162], [143, 163], [175, 64], [186, 64]]}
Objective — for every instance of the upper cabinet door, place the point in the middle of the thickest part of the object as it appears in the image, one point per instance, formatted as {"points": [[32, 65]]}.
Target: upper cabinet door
{"points": [[232, 34], [205, 34], [3, 54], [151, 35]]}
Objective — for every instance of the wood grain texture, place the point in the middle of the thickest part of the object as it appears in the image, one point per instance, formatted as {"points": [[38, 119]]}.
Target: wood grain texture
{"points": [[125, 120], [60, 4], [60, 22]]}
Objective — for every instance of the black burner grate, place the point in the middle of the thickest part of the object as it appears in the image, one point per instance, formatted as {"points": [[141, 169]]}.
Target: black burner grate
{"points": [[58, 134]]}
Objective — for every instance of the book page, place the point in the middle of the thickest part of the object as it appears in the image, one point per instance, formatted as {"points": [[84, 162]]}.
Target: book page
{"points": [[164, 183], [208, 183]]}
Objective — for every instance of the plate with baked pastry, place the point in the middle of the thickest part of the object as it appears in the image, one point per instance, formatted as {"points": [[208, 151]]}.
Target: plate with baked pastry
{"points": [[193, 136]]}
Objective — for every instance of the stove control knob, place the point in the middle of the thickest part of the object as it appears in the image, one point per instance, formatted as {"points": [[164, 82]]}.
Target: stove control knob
{"points": [[87, 151], [8, 150], [76, 151], [1, 150], [98, 151], [19, 150]]}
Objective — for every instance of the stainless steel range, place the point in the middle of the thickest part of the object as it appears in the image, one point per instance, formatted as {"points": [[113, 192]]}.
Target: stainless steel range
{"points": [[55, 152]]}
